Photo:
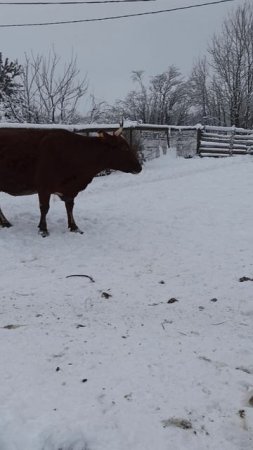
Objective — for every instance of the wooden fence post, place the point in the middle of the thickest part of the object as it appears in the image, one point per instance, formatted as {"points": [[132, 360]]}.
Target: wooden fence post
{"points": [[131, 137], [231, 142], [168, 137], [199, 131]]}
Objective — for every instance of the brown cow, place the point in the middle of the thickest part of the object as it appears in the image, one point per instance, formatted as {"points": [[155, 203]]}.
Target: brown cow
{"points": [[58, 162]]}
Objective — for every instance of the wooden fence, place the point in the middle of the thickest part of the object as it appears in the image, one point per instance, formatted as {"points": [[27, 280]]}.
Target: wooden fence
{"points": [[224, 141], [151, 140]]}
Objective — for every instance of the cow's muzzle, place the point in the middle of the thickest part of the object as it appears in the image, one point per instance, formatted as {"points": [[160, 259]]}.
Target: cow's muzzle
{"points": [[137, 169]]}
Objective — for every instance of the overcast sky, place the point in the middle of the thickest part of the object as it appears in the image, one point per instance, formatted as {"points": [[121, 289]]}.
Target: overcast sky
{"points": [[109, 51]]}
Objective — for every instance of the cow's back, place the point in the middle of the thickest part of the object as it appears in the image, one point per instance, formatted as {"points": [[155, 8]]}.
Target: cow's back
{"points": [[68, 162], [19, 154]]}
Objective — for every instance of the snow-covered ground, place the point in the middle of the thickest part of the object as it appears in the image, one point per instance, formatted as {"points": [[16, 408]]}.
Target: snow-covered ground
{"points": [[156, 353]]}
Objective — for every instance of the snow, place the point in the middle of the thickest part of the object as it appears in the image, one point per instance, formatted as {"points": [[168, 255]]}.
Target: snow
{"points": [[109, 364], [232, 129], [128, 124]]}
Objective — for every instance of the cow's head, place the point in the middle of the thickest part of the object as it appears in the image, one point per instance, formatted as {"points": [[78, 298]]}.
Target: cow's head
{"points": [[119, 154]]}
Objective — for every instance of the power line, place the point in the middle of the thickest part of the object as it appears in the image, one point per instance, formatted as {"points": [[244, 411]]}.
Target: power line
{"points": [[92, 2], [123, 16]]}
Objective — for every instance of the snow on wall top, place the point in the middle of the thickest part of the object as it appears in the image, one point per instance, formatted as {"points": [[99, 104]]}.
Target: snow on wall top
{"points": [[95, 126]]}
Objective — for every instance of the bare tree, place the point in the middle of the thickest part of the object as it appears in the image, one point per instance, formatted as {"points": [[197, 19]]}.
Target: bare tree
{"points": [[51, 91], [98, 111], [199, 81], [166, 91], [232, 61], [161, 101], [136, 104]]}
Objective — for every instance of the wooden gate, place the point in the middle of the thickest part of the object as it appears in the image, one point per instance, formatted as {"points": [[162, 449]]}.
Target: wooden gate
{"points": [[221, 141]]}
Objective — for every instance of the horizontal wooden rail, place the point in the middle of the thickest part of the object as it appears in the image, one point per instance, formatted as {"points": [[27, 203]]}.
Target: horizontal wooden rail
{"points": [[224, 141]]}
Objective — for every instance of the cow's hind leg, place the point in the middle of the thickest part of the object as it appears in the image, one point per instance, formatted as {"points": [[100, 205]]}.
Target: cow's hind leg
{"points": [[3, 221], [69, 205], [44, 207]]}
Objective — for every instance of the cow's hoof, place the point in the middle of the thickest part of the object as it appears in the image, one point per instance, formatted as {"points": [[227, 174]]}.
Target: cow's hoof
{"points": [[43, 233], [76, 230]]}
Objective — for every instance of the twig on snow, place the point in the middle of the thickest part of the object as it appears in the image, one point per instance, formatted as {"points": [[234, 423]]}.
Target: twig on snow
{"points": [[80, 275], [166, 322], [219, 323]]}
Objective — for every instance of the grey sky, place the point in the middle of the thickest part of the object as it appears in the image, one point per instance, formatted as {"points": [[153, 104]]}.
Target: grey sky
{"points": [[109, 51]]}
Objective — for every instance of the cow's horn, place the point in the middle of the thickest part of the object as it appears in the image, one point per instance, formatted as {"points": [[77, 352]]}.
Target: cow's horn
{"points": [[118, 132]]}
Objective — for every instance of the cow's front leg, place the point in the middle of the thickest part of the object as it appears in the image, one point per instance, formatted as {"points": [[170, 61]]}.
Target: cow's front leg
{"points": [[69, 205], [3, 221], [44, 207]]}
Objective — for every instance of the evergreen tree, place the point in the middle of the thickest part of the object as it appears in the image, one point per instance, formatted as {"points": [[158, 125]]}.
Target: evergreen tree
{"points": [[9, 71]]}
